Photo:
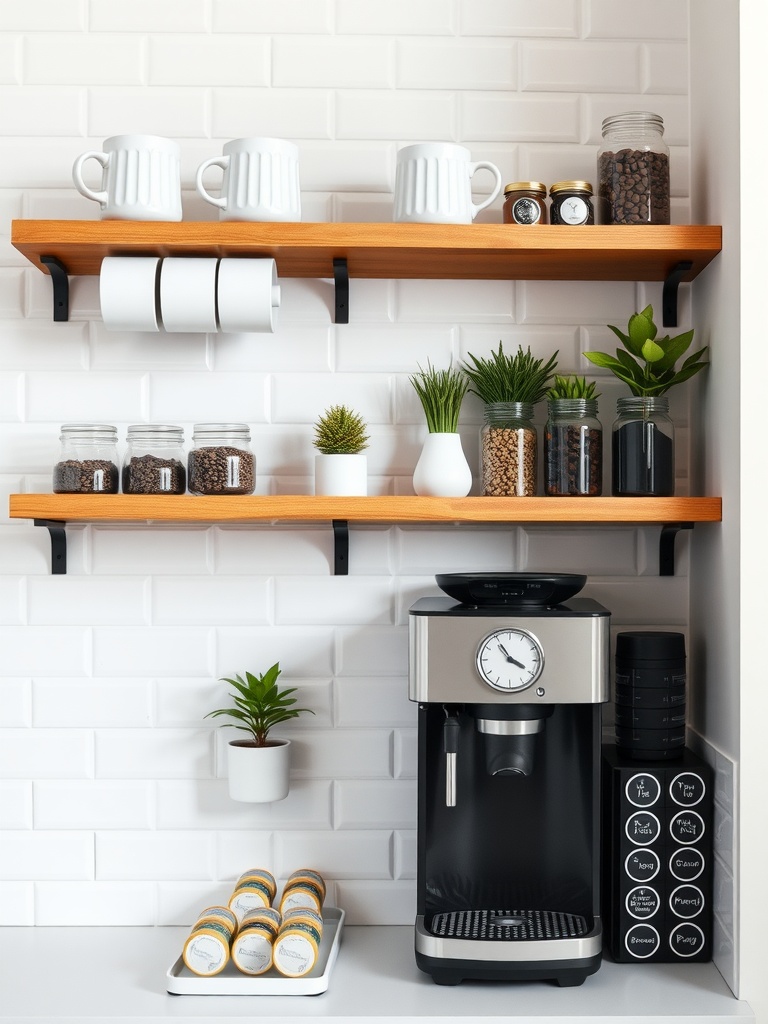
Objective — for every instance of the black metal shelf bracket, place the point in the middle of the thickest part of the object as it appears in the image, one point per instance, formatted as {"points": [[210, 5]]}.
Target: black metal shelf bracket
{"points": [[58, 533], [341, 280], [669, 532], [669, 292], [60, 282], [340, 547]]}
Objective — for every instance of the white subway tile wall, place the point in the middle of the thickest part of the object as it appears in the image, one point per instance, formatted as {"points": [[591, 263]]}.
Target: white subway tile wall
{"points": [[113, 791]]}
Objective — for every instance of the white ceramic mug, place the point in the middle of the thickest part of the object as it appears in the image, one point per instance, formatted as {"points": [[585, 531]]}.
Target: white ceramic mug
{"points": [[261, 180], [248, 295], [141, 178], [188, 294], [128, 293], [433, 184]]}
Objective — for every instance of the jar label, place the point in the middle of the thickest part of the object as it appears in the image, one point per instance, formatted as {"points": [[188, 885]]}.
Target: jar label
{"points": [[573, 210], [526, 211]]}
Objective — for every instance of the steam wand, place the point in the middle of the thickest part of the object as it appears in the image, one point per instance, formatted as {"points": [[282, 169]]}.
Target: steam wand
{"points": [[451, 729]]}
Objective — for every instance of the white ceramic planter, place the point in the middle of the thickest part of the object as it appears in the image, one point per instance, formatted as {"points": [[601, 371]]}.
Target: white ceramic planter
{"points": [[341, 474], [259, 775], [442, 470]]}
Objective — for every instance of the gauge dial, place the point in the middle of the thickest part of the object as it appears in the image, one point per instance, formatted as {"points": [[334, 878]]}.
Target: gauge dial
{"points": [[510, 659]]}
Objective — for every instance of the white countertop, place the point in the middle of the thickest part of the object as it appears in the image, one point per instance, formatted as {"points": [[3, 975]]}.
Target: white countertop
{"points": [[119, 974]]}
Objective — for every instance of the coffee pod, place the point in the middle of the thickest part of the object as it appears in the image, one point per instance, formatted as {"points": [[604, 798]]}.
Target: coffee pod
{"points": [[252, 945], [206, 950], [262, 876], [297, 946], [252, 894], [650, 694]]}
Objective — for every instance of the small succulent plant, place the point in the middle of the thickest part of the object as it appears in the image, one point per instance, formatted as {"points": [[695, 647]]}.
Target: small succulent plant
{"points": [[505, 378], [340, 431], [646, 364], [572, 387], [441, 393], [260, 704]]}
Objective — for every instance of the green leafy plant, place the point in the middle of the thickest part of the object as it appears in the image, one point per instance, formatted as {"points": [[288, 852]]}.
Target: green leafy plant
{"points": [[259, 704], [505, 378], [441, 393], [572, 387], [340, 431], [647, 362]]}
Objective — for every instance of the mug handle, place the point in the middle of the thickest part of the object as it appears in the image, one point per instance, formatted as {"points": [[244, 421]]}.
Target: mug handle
{"points": [[215, 161], [77, 176], [483, 164]]}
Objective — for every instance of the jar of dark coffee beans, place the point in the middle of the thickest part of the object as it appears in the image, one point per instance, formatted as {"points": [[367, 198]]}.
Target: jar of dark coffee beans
{"points": [[154, 460], [633, 170], [571, 203], [88, 462], [508, 450], [220, 460], [573, 448]]}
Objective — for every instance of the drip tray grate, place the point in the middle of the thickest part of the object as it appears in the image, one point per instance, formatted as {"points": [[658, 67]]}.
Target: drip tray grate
{"points": [[508, 925]]}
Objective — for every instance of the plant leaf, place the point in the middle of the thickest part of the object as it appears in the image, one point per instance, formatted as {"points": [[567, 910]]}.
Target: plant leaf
{"points": [[651, 352]]}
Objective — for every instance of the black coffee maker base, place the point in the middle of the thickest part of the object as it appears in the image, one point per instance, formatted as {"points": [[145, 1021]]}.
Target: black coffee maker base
{"points": [[565, 973]]}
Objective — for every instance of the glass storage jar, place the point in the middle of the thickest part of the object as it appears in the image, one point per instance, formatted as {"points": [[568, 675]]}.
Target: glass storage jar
{"points": [[508, 450], [573, 448], [643, 446], [88, 461], [220, 459], [154, 460], [633, 170], [571, 203], [525, 202]]}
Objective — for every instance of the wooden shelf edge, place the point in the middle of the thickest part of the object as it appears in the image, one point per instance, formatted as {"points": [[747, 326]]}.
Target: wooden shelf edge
{"points": [[126, 508]]}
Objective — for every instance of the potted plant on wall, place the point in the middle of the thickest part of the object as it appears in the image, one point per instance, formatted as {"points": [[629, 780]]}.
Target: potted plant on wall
{"points": [[442, 470], [643, 441], [340, 465], [259, 766], [509, 386]]}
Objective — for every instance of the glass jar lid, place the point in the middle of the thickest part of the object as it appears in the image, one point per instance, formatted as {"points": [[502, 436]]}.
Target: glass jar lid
{"points": [[571, 186], [640, 119], [203, 431], [103, 431], [163, 430], [526, 186]]}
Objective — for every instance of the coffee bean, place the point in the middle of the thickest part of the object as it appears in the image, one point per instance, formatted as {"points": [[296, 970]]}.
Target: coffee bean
{"points": [[221, 470], [634, 186], [89, 476], [509, 461]]}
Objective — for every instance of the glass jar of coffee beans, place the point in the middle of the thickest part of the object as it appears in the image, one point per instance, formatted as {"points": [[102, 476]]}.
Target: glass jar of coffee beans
{"points": [[154, 460], [508, 449], [633, 170], [88, 462], [220, 460]]}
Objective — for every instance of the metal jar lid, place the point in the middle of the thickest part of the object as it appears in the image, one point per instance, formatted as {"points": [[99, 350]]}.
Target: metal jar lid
{"points": [[526, 186], [571, 186]]}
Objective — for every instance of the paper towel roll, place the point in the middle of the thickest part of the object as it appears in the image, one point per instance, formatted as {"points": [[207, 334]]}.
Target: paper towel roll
{"points": [[188, 294], [248, 295], [128, 293]]}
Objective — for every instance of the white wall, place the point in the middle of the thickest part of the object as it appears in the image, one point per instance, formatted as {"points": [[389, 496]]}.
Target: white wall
{"points": [[113, 797]]}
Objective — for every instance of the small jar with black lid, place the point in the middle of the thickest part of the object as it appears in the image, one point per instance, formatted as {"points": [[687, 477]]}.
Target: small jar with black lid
{"points": [[571, 203], [220, 460], [88, 462], [154, 460], [525, 202]]}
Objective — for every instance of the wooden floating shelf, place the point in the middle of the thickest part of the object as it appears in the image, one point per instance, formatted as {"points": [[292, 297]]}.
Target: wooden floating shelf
{"points": [[127, 508], [424, 251]]}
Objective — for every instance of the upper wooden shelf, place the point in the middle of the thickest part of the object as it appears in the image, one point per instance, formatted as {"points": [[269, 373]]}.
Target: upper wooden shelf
{"points": [[476, 251], [187, 508]]}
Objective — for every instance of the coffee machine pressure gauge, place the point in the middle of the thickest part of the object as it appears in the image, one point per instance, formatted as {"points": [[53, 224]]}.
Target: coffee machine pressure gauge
{"points": [[510, 659]]}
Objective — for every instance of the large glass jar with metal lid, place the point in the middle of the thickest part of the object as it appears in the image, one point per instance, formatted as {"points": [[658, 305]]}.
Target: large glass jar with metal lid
{"points": [[573, 448], [571, 203], [220, 459], [88, 461], [633, 170], [643, 447], [525, 202], [154, 460], [508, 449]]}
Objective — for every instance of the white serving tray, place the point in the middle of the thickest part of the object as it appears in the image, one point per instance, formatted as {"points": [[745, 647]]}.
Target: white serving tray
{"points": [[231, 982]]}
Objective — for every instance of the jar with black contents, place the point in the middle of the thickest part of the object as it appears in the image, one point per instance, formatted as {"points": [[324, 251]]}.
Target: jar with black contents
{"points": [[154, 460], [633, 170], [220, 460], [88, 462], [571, 203], [525, 202]]}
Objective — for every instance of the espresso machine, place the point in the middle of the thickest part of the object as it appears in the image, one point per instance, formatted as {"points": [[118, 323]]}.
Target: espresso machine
{"points": [[509, 671]]}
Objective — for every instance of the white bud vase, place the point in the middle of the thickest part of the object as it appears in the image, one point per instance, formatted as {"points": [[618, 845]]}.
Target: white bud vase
{"points": [[442, 470]]}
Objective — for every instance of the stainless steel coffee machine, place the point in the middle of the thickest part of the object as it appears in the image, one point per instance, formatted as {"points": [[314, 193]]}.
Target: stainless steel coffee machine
{"points": [[509, 675]]}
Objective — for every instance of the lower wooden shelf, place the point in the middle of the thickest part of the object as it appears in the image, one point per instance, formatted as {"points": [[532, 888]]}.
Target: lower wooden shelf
{"points": [[54, 511]]}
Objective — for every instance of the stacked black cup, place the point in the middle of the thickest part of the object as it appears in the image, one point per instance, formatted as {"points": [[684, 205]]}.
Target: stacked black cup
{"points": [[650, 695]]}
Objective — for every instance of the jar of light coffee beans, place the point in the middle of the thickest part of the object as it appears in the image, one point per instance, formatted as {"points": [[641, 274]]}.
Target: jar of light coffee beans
{"points": [[220, 460], [508, 448]]}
